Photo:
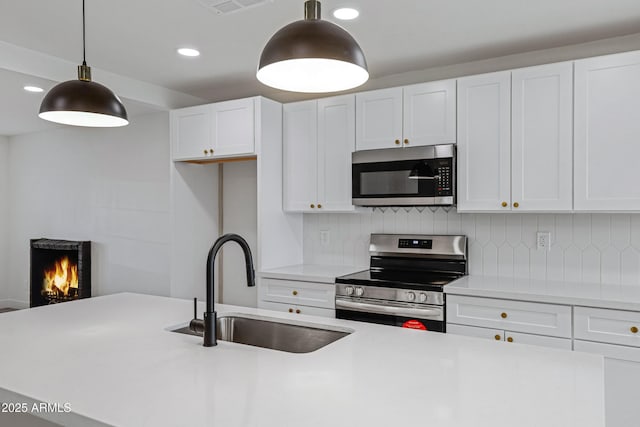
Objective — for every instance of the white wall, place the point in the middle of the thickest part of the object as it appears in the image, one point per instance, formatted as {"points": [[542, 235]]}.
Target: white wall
{"points": [[110, 186], [240, 216], [4, 217], [600, 248]]}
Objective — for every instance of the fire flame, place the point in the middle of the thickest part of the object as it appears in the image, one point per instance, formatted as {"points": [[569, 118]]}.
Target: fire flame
{"points": [[62, 277]]}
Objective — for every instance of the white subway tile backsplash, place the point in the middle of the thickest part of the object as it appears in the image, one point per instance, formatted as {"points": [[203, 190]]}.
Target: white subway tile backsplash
{"points": [[498, 226], [513, 229], [538, 264], [611, 266], [564, 231], [600, 230], [620, 231], [555, 263], [584, 247], [591, 265], [505, 261], [582, 230], [521, 262], [483, 229], [529, 228], [630, 272]]}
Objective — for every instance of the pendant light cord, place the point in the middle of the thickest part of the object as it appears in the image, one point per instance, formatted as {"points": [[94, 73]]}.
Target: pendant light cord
{"points": [[84, 43]]}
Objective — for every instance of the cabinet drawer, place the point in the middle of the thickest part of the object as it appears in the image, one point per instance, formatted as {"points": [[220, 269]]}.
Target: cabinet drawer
{"points": [[299, 293], [472, 331], [608, 326], [539, 340], [297, 309], [517, 316], [517, 337], [611, 351]]}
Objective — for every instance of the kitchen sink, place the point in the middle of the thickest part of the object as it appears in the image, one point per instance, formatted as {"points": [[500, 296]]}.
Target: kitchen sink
{"points": [[273, 334]]}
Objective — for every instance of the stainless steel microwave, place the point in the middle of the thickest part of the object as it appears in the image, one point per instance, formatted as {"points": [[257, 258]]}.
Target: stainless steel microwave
{"points": [[414, 176]]}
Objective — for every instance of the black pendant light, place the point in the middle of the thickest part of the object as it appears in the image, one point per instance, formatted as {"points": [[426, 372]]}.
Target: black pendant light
{"points": [[83, 102], [312, 55]]}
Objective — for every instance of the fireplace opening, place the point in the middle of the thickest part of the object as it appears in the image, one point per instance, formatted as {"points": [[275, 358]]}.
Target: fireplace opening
{"points": [[60, 271]]}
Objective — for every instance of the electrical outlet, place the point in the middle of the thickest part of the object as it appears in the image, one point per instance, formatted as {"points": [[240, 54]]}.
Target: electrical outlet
{"points": [[543, 240], [324, 237]]}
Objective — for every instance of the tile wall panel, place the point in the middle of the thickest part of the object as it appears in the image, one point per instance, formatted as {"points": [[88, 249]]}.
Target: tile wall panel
{"points": [[600, 248]]}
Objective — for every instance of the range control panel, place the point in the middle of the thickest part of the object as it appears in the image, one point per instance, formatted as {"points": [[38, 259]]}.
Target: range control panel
{"points": [[415, 243]]}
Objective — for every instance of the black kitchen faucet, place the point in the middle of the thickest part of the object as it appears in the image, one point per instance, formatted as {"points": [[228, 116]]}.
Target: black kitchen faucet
{"points": [[208, 325]]}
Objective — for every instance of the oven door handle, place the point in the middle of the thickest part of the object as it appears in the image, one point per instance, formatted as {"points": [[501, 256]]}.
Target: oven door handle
{"points": [[428, 313]]}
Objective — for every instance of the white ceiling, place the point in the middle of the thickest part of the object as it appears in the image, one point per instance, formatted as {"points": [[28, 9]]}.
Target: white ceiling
{"points": [[138, 38]]}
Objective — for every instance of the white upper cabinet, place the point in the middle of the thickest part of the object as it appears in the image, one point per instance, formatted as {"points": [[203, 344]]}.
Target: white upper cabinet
{"points": [[208, 132], [607, 132], [190, 132], [319, 137], [379, 119], [542, 137], [422, 114], [300, 146], [429, 113], [336, 142], [515, 140], [484, 142], [233, 125]]}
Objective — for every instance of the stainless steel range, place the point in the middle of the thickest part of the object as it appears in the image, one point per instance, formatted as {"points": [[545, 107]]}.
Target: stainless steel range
{"points": [[403, 286]]}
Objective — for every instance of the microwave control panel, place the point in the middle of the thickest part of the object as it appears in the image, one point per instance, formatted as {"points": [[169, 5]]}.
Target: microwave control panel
{"points": [[444, 181]]}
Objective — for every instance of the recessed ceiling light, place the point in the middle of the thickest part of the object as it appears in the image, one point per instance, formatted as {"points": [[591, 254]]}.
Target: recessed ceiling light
{"points": [[185, 51], [346, 13], [33, 89]]}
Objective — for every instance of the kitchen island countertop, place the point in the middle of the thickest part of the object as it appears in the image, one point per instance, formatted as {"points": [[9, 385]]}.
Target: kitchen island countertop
{"points": [[113, 360]]}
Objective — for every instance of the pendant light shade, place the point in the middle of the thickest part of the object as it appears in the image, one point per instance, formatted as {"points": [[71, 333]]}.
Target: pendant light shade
{"points": [[312, 55], [83, 102]]}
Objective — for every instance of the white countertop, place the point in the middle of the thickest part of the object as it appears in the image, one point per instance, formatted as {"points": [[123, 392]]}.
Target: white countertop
{"points": [[311, 272], [582, 294], [112, 359]]}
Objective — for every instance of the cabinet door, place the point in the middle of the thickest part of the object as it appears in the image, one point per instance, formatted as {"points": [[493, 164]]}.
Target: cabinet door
{"points": [[542, 138], [233, 127], [300, 156], [191, 132], [429, 113], [336, 142], [484, 140], [379, 119], [472, 331], [606, 126]]}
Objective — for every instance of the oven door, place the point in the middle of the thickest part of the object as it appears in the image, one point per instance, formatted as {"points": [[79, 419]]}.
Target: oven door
{"points": [[391, 177], [413, 316]]}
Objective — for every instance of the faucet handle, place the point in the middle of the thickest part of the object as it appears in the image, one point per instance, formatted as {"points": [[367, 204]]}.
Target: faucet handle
{"points": [[196, 325]]}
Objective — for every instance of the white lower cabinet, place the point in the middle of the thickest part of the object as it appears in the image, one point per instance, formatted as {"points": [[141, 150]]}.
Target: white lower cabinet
{"points": [[507, 315], [314, 298], [614, 334], [621, 362], [510, 336]]}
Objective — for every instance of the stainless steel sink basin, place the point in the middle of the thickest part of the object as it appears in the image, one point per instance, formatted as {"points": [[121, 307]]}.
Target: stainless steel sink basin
{"points": [[273, 334]]}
